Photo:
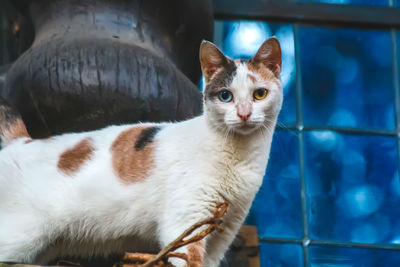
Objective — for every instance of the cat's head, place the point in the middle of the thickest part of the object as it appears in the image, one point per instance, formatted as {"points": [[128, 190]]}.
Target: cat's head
{"points": [[242, 96]]}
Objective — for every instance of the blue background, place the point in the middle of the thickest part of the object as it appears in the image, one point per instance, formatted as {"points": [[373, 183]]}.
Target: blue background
{"points": [[336, 140]]}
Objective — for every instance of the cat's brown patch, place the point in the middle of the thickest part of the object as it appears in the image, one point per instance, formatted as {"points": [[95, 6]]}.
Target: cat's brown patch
{"points": [[11, 125], [252, 78], [132, 151], [72, 159], [195, 254], [13, 130], [18, 130], [261, 70]]}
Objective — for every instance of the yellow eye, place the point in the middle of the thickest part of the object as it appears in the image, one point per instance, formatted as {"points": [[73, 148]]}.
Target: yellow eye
{"points": [[260, 94]]}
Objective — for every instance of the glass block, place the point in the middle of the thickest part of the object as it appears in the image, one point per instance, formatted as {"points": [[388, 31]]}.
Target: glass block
{"points": [[352, 2], [345, 257], [241, 39], [276, 210], [347, 78], [353, 187], [272, 254]]}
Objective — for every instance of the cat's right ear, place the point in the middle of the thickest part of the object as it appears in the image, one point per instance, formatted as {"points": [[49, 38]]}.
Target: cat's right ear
{"points": [[211, 59]]}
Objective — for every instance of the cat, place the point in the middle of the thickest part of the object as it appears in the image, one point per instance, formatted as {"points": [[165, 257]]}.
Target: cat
{"points": [[138, 187]]}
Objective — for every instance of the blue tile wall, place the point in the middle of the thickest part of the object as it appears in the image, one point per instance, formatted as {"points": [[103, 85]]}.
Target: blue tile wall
{"points": [[241, 39], [347, 78], [276, 210], [353, 187]]}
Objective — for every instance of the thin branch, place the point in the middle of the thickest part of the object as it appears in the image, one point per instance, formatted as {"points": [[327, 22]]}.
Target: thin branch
{"points": [[161, 259], [213, 222]]}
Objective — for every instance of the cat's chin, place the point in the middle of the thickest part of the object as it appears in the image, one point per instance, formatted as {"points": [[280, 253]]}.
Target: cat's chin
{"points": [[245, 129]]}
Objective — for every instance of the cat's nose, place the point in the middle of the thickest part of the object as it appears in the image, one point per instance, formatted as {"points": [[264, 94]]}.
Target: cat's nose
{"points": [[244, 115]]}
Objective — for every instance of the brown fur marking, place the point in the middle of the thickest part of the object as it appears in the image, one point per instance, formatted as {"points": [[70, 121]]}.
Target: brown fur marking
{"points": [[261, 70], [18, 130], [11, 125], [252, 78], [14, 130], [195, 254], [131, 165], [72, 159]]}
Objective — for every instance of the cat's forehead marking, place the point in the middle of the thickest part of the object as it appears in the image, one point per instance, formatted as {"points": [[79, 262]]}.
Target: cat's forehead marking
{"points": [[72, 159], [252, 78], [132, 153], [242, 83], [239, 61], [261, 70]]}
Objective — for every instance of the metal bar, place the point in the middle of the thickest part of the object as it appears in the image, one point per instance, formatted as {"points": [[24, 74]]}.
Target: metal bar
{"points": [[315, 13], [354, 245], [299, 109], [280, 240], [330, 243], [341, 130], [351, 130], [396, 85]]}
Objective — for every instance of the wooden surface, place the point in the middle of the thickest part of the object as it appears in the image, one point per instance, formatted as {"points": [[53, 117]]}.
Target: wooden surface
{"points": [[250, 235], [244, 252]]}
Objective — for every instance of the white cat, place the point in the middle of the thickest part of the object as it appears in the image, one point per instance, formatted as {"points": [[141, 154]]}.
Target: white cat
{"points": [[138, 187]]}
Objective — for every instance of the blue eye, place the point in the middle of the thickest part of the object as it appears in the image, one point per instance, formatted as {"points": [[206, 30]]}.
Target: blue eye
{"points": [[225, 96]]}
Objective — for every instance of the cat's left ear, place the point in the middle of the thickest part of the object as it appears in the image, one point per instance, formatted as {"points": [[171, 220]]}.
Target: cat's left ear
{"points": [[269, 55]]}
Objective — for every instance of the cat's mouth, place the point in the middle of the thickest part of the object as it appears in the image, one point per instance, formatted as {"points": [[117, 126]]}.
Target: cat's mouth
{"points": [[245, 127]]}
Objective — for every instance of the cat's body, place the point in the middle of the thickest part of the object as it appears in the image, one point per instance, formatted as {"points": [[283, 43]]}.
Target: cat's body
{"points": [[134, 187]]}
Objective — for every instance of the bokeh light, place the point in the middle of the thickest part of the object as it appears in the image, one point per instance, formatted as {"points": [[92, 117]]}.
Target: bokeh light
{"points": [[352, 180], [276, 211], [347, 74], [352, 186]]}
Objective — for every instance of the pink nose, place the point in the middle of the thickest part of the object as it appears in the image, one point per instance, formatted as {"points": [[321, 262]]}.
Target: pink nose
{"points": [[244, 116]]}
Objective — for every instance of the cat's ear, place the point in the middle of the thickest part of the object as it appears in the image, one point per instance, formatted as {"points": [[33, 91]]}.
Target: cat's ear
{"points": [[269, 56], [211, 59]]}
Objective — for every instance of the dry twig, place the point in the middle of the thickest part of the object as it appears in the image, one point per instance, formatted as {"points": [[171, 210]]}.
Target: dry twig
{"points": [[161, 259]]}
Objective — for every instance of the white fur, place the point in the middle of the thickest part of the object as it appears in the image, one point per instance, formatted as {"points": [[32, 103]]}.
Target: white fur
{"points": [[93, 213]]}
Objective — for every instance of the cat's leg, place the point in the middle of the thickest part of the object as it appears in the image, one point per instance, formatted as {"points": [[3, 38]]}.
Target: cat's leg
{"points": [[174, 223], [21, 238], [195, 253], [218, 244], [209, 251]]}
